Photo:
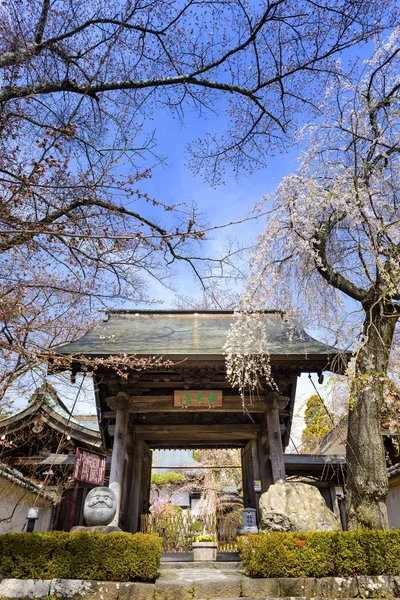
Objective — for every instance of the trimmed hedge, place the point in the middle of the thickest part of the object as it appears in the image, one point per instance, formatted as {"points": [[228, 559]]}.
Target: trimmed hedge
{"points": [[96, 556], [330, 554]]}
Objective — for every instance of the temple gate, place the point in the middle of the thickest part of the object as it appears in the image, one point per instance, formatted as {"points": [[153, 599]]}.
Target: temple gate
{"points": [[190, 403]]}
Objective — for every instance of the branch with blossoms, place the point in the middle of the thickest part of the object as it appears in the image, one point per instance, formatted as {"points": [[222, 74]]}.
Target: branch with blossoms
{"points": [[111, 70]]}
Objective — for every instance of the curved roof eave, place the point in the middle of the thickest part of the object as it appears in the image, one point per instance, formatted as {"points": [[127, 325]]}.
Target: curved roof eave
{"points": [[54, 418]]}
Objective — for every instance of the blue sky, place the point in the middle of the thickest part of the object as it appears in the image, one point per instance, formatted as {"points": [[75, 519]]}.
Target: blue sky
{"points": [[174, 182]]}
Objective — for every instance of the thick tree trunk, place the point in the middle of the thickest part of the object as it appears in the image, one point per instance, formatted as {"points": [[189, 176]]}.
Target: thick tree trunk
{"points": [[367, 481]]}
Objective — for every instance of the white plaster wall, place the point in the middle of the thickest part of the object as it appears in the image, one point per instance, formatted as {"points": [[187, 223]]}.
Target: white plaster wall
{"points": [[14, 496], [181, 499], [393, 503]]}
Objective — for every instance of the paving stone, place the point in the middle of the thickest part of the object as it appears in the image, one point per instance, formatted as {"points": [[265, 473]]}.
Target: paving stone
{"points": [[219, 565], [396, 587], [296, 587], [336, 587], [173, 590], [24, 588], [222, 586], [102, 590], [381, 587], [207, 584], [259, 588], [136, 591], [73, 588]]}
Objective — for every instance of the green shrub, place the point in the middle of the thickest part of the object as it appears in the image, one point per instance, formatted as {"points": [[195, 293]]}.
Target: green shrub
{"points": [[97, 556], [169, 478], [324, 554], [167, 510]]}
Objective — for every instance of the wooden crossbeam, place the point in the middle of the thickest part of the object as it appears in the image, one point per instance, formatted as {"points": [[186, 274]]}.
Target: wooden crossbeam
{"points": [[197, 433], [165, 403]]}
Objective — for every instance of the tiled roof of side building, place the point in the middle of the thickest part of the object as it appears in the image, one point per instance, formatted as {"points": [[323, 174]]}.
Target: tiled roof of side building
{"points": [[46, 402], [18, 479]]}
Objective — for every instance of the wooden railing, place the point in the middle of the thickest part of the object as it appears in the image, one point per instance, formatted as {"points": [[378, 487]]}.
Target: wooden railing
{"points": [[178, 530]]}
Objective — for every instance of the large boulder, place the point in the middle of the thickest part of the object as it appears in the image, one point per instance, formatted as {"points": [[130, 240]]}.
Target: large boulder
{"points": [[295, 507]]}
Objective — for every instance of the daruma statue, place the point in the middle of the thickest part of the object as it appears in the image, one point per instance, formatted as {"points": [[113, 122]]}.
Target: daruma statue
{"points": [[100, 506]]}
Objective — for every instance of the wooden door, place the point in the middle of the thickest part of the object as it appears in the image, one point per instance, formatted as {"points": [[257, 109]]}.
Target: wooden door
{"points": [[70, 510]]}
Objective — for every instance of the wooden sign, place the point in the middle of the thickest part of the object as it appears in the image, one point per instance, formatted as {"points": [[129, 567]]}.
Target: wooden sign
{"points": [[197, 398], [89, 467]]}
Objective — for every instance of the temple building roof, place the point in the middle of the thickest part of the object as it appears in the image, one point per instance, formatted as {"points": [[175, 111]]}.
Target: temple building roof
{"points": [[47, 409], [201, 335], [17, 478]]}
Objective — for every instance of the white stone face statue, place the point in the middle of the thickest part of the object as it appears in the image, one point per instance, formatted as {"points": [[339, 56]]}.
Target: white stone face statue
{"points": [[100, 506]]}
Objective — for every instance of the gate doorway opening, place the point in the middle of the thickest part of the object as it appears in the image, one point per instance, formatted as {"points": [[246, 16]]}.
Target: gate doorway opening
{"points": [[195, 491]]}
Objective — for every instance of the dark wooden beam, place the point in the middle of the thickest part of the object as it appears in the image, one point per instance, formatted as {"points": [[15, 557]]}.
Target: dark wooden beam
{"points": [[197, 433], [165, 403], [186, 445]]}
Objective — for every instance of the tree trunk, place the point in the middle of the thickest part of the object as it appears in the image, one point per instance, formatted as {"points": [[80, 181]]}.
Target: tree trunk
{"points": [[367, 481]]}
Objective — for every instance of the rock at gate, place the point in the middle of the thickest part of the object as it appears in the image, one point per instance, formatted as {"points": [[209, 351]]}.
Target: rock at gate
{"points": [[295, 507]]}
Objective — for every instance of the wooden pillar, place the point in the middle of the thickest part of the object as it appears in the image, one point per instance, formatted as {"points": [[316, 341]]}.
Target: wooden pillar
{"points": [[249, 495], [136, 491], [118, 458], [124, 515], [256, 474], [263, 459], [334, 500], [274, 403]]}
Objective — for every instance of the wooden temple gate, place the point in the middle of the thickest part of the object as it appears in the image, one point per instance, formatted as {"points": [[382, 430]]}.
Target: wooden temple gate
{"points": [[136, 433], [190, 404]]}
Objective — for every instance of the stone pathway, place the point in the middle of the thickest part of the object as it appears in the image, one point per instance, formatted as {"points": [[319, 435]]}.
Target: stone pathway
{"points": [[185, 583]]}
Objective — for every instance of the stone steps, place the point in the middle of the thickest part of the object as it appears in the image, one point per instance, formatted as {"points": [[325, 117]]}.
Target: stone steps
{"points": [[187, 557], [219, 566]]}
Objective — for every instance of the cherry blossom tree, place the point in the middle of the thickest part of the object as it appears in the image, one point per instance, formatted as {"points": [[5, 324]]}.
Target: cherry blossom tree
{"points": [[330, 255], [80, 85], [216, 296], [97, 64]]}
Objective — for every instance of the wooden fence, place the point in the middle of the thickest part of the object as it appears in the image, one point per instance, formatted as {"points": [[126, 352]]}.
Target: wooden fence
{"points": [[178, 530]]}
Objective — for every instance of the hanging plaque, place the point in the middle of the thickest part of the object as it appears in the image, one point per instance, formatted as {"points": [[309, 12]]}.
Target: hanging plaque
{"points": [[89, 467], [197, 398]]}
